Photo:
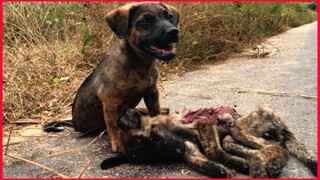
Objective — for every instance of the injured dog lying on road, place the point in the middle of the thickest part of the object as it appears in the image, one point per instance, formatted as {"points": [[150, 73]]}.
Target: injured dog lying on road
{"points": [[213, 141]]}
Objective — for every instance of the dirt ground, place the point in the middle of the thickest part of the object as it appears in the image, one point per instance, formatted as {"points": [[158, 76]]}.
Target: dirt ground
{"points": [[285, 80]]}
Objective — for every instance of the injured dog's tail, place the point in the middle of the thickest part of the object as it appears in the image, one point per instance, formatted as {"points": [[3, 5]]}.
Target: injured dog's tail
{"points": [[113, 162], [299, 150]]}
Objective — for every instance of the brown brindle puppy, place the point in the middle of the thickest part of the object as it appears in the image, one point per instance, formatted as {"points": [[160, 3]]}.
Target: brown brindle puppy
{"points": [[128, 72]]}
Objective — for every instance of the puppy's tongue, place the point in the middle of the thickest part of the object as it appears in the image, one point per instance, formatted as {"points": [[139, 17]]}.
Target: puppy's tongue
{"points": [[165, 50]]}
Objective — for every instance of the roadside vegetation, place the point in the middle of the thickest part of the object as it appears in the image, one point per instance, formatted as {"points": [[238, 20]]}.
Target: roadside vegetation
{"points": [[50, 48]]}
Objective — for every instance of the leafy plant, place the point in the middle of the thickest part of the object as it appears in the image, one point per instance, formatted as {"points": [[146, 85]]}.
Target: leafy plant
{"points": [[57, 80], [313, 6], [87, 37]]}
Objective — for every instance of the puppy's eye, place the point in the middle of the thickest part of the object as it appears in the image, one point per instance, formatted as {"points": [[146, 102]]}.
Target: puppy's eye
{"points": [[168, 16], [146, 22]]}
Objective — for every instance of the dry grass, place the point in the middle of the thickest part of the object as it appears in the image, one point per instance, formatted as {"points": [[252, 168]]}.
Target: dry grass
{"points": [[45, 59], [37, 54]]}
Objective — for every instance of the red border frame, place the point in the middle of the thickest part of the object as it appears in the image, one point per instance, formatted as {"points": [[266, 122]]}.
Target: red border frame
{"points": [[159, 1], [1, 54]]}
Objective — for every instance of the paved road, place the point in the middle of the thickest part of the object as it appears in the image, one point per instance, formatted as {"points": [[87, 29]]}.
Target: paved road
{"points": [[285, 80]]}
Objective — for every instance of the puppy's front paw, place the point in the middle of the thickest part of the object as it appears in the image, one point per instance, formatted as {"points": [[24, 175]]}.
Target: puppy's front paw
{"points": [[114, 146]]}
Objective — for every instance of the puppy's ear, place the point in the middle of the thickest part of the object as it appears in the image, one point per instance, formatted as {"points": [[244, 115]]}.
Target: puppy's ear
{"points": [[175, 14], [118, 19]]}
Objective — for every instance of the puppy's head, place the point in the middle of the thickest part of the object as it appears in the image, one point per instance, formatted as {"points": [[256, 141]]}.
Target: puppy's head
{"points": [[144, 141], [149, 28]]}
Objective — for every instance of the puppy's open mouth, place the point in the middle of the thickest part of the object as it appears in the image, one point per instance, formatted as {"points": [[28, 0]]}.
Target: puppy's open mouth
{"points": [[163, 52]]}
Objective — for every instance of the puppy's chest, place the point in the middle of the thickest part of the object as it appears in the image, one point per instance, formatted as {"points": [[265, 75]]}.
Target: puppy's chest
{"points": [[135, 83]]}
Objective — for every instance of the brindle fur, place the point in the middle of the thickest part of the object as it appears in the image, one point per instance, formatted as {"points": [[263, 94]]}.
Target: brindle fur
{"points": [[265, 162], [261, 138], [128, 72], [142, 142], [264, 129]]}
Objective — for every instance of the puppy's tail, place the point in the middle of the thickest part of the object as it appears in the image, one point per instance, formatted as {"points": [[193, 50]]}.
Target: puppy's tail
{"points": [[57, 126], [299, 150]]}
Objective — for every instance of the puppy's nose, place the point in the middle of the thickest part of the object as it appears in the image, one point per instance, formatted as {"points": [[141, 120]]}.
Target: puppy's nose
{"points": [[172, 32]]}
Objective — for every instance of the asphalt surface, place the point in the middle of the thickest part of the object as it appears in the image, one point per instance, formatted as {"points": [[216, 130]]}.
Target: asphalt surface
{"points": [[285, 80]]}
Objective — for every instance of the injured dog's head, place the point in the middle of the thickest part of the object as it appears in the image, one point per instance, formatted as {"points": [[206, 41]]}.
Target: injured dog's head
{"points": [[144, 141], [267, 127], [266, 124], [149, 28]]}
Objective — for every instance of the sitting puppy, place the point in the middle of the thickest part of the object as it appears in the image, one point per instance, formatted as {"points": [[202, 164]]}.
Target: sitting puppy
{"points": [[128, 72]]}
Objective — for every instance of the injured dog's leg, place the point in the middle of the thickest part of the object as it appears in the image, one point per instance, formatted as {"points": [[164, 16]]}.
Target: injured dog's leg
{"points": [[299, 150], [266, 162], [246, 138], [145, 112], [276, 158], [257, 167], [195, 159], [210, 141]]}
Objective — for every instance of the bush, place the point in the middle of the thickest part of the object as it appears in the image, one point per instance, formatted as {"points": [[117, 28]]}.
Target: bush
{"points": [[298, 14], [313, 6]]}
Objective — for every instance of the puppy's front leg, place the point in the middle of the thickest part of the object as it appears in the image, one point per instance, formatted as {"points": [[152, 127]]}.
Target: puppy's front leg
{"points": [[151, 99], [110, 118]]}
